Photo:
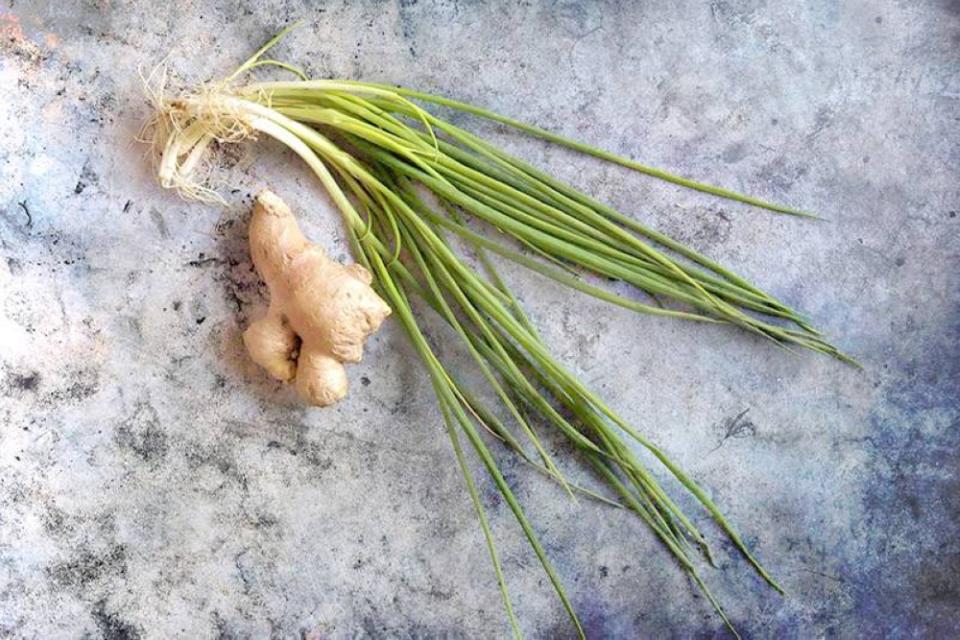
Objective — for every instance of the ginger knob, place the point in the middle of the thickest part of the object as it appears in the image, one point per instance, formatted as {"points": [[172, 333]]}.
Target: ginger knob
{"points": [[321, 311]]}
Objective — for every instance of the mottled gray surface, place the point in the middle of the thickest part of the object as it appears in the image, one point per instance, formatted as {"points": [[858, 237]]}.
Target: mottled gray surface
{"points": [[155, 484]]}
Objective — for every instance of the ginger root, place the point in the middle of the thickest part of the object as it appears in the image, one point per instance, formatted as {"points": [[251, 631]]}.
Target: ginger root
{"points": [[321, 311]]}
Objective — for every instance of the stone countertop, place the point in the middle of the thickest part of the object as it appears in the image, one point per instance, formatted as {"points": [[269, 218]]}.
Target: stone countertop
{"points": [[155, 484]]}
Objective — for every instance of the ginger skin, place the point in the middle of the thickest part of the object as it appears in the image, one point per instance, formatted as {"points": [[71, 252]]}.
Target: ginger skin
{"points": [[321, 311]]}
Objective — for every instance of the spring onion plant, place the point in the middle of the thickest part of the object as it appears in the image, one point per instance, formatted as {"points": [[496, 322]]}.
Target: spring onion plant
{"points": [[414, 189]]}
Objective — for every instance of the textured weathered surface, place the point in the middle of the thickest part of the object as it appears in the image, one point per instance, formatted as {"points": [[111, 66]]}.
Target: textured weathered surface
{"points": [[155, 484]]}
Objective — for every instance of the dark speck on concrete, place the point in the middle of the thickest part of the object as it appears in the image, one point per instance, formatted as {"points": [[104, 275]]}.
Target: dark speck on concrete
{"points": [[159, 222], [143, 434], [80, 384], [88, 177], [23, 381], [203, 260], [26, 212], [738, 426], [88, 567], [734, 153], [112, 626]]}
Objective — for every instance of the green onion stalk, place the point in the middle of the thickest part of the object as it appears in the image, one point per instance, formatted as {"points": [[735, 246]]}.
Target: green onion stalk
{"points": [[411, 187]]}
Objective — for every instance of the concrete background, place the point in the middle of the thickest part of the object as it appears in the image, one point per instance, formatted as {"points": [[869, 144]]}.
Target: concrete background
{"points": [[154, 484]]}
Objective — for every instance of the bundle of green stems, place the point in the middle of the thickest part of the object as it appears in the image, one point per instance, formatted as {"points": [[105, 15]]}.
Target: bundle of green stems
{"points": [[414, 190]]}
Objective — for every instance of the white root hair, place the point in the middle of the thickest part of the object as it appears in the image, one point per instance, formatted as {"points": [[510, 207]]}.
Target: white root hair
{"points": [[188, 134]]}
